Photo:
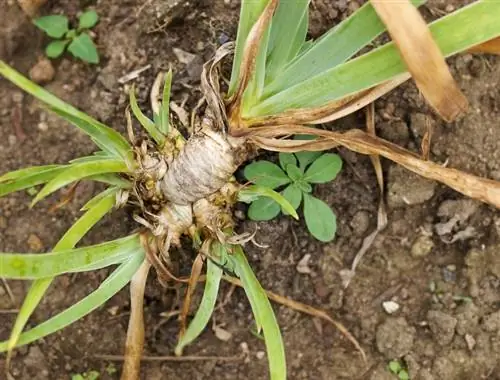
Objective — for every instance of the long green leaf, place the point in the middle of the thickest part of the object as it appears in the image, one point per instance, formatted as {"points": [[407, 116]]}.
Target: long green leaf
{"points": [[254, 192], [333, 48], [89, 125], [288, 32], [68, 241], [80, 171], [28, 266], [206, 308], [456, 32], [113, 284], [164, 124], [111, 179], [264, 315], [146, 122], [29, 177], [249, 14]]}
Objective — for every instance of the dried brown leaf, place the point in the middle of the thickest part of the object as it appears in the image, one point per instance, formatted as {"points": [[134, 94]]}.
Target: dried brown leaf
{"points": [[248, 61], [482, 189], [31, 7], [193, 281], [422, 56], [135, 333], [489, 47]]}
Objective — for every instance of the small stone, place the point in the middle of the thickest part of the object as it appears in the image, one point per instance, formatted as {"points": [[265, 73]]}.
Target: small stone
{"points": [[471, 342], [442, 326], [260, 355], [395, 337], [43, 126], [43, 72], [34, 243], [407, 189], [360, 222], [390, 307], [422, 246], [222, 334], [303, 264], [467, 316]]}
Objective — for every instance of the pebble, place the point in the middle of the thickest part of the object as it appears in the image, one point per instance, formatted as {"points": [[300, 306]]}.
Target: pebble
{"points": [[405, 188], [360, 222], [34, 243], [390, 307], [422, 246], [260, 355], [43, 72]]}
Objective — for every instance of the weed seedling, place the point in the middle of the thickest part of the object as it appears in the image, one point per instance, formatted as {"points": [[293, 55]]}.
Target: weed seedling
{"points": [[77, 41], [296, 175], [398, 369], [91, 375]]}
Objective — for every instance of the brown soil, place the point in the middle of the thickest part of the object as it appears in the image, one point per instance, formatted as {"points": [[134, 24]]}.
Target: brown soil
{"points": [[448, 324]]}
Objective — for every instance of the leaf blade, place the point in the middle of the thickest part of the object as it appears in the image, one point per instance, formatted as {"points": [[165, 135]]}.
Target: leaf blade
{"points": [[265, 173], [324, 169], [54, 25], [320, 219], [56, 48], [88, 19], [84, 48], [257, 192], [263, 209], [293, 194], [146, 122], [29, 177]]}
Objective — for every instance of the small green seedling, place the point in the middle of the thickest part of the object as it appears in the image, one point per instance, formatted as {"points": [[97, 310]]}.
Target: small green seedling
{"points": [[77, 41], [397, 368], [296, 175], [91, 375]]}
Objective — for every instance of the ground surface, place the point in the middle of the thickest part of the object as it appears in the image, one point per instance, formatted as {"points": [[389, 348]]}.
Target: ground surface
{"points": [[448, 324]]}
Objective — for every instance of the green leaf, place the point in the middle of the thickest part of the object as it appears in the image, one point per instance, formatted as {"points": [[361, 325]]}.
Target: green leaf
{"points": [[116, 143], [305, 157], [293, 194], [113, 284], [206, 308], [333, 48], [83, 47], [56, 48], [249, 13], [164, 125], [106, 194], [453, 33], [88, 20], [264, 315], [288, 33], [79, 171], [29, 266], [146, 122], [111, 179], [287, 159], [29, 177], [304, 186], [394, 366], [265, 173], [55, 26], [253, 193], [294, 173], [324, 169], [320, 219], [403, 375], [263, 209]]}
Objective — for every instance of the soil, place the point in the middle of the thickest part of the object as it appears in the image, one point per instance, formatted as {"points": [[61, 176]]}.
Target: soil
{"points": [[437, 259]]}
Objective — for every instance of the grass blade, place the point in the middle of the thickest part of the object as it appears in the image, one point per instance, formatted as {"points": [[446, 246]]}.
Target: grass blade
{"points": [[113, 284], [146, 122], [29, 266], [423, 58], [29, 177], [264, 315], [206, 308], [164, 124], [333, 48], [80, 171], [68, 241], [249, 13], [453, 33], [288, 33], [253, 192], [89, 125], [109, 194], [111, 179]]}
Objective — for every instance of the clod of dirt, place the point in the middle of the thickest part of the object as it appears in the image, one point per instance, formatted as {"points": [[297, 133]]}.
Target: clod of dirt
{"points": [[395, 337], [396, 132], [442, 326], [422, 246], [454, 215], [424, 374], [407, 189], [43, 71], [479, 263], [491, 322], [360, 222], [467, 318], [193, 62], [34, 243], [37, 363], [418, 124]]}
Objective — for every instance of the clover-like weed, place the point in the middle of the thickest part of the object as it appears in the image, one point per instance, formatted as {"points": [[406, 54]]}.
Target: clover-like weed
{"points": [[295, 175], [77, 41]]}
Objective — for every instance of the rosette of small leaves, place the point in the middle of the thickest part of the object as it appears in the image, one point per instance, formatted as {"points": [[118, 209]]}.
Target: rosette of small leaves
{"points": [[295, 176], [77, 41]]}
